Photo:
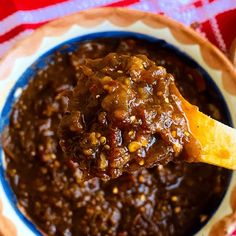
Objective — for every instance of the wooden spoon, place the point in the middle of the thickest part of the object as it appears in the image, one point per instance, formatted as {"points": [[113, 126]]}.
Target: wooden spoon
{"points": [[216, 141]]}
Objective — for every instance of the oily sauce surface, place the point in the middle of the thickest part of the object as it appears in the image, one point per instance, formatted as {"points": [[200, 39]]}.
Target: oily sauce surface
{"points": [[164, 200], [123, 115]]}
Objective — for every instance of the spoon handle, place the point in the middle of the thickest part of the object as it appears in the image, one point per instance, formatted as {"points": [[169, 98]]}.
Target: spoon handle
{"points": [[216, 141]]}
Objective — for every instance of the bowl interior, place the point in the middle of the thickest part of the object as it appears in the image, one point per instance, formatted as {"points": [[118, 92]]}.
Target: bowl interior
{"points": [[70, 46]]}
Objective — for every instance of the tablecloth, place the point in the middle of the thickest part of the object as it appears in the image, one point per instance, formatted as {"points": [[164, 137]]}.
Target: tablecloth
{"points": [[214, 19]]}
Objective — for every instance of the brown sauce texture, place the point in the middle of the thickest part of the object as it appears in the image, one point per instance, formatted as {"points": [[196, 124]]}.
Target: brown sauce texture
{"points": [[123, 115], [166, 200]]}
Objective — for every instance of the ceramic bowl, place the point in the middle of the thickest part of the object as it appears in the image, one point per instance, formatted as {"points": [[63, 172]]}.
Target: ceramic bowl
{"points": [[112, 22]]}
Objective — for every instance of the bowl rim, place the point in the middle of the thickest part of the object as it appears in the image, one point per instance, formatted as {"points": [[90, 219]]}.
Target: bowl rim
{"points": [[115, 14], [22, 49]]}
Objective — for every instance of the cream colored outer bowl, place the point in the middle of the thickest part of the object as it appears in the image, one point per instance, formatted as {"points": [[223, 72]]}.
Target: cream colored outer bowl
{"points": [[26, 52]]}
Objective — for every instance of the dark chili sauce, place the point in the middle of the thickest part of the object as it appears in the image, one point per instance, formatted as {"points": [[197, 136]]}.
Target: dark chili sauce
{"points": [[123, 115], [164, 200]]}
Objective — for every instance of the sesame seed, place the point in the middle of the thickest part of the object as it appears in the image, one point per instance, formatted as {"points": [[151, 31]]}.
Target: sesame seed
{"points": [[174, 198], [142, 209], [57, 164], [141, 179], [144, 142], [132, 118], [115, 190], [87, 152], [107, 147], [141, 163], [160, 167], [93, 138], [127, 81], [131, 132], [164, 208], [177, 147], [177, 210], [42, 188], [174, 134], [134, 146], [44, 170], [142, 197], [103, 162], [186, 133], [103, 140], [106, 79]]}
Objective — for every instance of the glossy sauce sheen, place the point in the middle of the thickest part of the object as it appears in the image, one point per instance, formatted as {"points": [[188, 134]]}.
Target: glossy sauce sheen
{"points": [[123, 115], [164, 200]]}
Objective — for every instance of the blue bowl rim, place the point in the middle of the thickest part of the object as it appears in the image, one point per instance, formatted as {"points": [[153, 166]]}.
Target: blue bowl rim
{"points": [[27, 75]]}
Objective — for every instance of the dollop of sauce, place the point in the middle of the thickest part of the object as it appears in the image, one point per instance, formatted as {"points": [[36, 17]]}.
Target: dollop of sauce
{"points": [[123, 115]]}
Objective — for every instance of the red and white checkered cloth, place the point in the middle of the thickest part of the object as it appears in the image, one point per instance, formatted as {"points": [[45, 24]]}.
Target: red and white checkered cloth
{"points": [[215, 19]]}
